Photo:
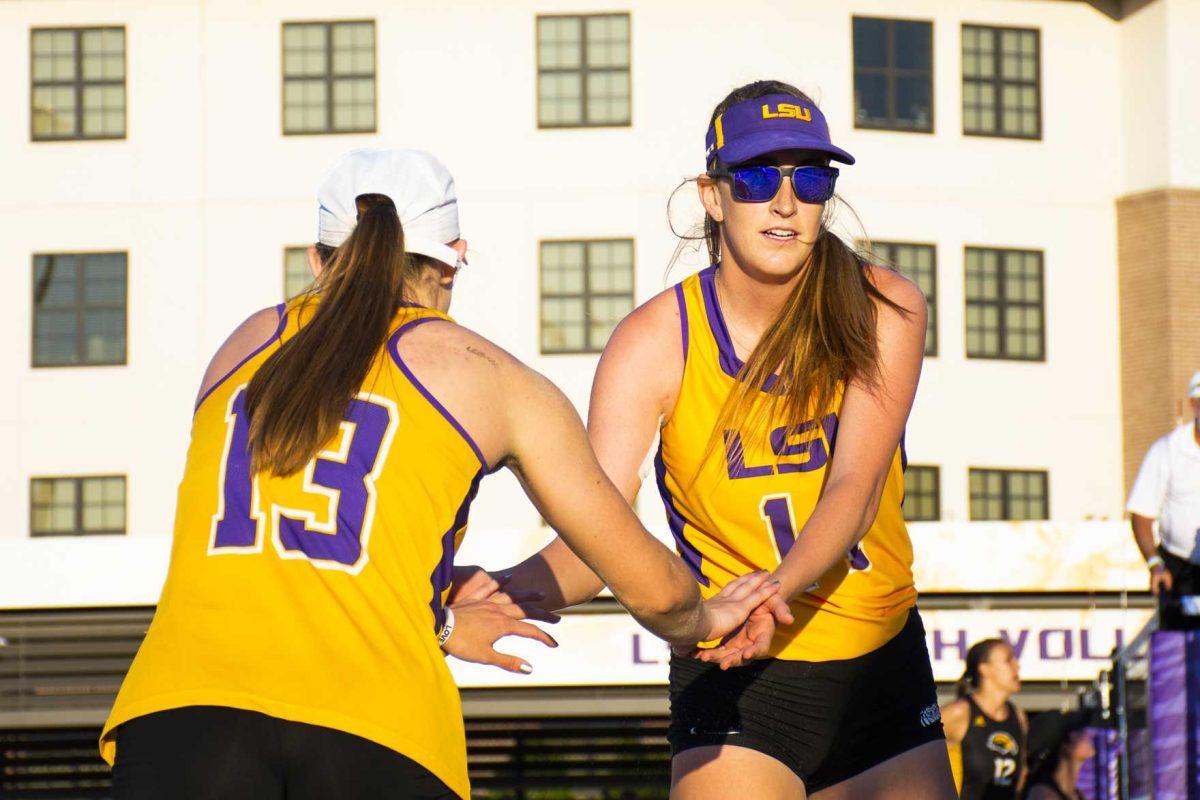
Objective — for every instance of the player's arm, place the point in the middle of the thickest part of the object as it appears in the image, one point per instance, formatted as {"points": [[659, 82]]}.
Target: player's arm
{"points": [[956, 717], [636, 384], [871, 423], [549, 452]]}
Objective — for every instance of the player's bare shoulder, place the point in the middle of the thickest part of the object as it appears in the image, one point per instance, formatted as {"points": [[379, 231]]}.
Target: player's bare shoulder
{"points": [[255, 331], [897, 288], [645, 353]]}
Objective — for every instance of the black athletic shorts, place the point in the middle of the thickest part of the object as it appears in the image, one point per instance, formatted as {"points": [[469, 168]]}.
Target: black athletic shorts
{"points": [[219, 753], [826, 720]]}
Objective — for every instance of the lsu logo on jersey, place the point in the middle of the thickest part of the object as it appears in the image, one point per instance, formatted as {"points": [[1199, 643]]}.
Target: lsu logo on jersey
{"points": [[1002, 743], [786, 111], [796, 448]]}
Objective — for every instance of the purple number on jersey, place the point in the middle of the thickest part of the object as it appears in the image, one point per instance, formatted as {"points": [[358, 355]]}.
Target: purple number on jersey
{"points": [[349, 480], [778, 513]]}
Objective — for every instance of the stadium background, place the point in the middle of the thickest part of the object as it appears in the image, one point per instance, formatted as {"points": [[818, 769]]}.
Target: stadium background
{"points": [[1025, 160]]}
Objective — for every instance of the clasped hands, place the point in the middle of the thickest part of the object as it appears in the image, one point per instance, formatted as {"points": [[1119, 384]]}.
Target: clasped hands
{"points": [[486, 611]]}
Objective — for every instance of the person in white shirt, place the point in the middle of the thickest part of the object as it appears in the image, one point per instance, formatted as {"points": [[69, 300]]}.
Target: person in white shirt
{"points": [[1167, 489]]}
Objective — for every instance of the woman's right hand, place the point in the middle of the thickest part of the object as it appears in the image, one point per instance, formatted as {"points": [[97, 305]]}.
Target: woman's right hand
{"points": [[729, 609], [478, 624]]}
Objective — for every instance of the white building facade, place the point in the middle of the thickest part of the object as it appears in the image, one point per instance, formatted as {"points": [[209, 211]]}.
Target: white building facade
{"points": [[203, 190]]}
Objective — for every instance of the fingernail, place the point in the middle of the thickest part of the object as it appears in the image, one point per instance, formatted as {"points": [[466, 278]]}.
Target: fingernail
{"points": [[526, 669]]}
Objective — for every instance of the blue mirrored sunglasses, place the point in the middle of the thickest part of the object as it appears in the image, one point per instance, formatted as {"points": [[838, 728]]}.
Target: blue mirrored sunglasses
{"points": [[760, 184]]}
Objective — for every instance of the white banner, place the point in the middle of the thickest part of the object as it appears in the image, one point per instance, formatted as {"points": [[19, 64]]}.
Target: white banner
{"points": [[613, 650]]}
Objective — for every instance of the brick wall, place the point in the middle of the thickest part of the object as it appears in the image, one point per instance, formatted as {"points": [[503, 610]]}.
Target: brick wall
{"points": [[1158, 255]]}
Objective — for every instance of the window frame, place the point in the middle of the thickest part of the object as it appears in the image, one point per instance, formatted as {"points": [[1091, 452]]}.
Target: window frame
{"points": [[328, 77], [937, 493], [890, 73], [284, 272], [79, 310], [78, 480], [999, 82], [77, 83], [583, 71], [1006, 497], [1003, 303], [932, 304], [586, 295]]}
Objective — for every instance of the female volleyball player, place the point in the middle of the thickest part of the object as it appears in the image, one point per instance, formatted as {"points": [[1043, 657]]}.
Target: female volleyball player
{"points": [[985, 731], [779, 380], [336, 445]]}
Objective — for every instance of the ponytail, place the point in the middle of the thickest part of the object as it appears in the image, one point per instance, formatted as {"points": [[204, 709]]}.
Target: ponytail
{"points": [[979, 653], [299, 396]]}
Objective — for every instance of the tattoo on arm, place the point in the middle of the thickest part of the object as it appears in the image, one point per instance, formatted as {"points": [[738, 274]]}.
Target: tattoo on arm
{"points": [[482, 355]]}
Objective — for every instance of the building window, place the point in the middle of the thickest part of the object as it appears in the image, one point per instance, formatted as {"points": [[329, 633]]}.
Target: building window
{"points": [[583, 71], [329, 77], [587, 288], [922, 493], [78, 83], [918, 263], [77, 506], [1002, 82], [893, 74], [79, 309], [1009, 494], [1005, 304], [296, 273]]}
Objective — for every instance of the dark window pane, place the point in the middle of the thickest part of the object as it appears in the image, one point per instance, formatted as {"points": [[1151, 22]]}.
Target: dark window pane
{"points": [[870, 42], [870, 96], [913, 45], [79, 313], [913, 101]]}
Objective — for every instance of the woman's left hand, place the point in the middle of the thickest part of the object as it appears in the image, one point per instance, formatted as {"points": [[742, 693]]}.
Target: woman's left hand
{"points": [[752, 639]]}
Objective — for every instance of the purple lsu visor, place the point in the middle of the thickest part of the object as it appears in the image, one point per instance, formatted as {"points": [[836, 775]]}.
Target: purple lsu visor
{"points": [[763, 125]]}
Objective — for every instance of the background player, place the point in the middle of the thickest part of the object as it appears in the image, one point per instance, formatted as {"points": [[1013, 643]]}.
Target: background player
{"points": [[985, 731], [750, 371], [336, 446]]}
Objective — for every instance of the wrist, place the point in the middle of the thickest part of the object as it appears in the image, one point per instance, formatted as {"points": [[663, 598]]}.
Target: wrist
{"points": [[447, 628], [1154, 562]]}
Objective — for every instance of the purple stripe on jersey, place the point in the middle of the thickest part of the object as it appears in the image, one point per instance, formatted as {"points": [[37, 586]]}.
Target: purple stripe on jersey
{"points": [[687, 551], [443, 573], [903, 452], [281, 309], [683, 318], [731, 365], [394, 350]]}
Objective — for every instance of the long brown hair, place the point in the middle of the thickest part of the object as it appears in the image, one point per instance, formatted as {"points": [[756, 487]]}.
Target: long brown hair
{"points": [[298, 397], [823, 338]]}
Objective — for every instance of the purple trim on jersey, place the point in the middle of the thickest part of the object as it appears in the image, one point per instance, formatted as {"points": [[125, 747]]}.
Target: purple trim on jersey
{"points": [[683, 318], [687, 551], [282, 309], [394, 351], [903, 452], [731, 365], [443, 573]]}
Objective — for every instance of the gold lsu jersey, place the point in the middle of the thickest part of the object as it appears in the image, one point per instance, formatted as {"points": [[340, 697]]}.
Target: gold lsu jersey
{"points": [[738, 507], [316, 597]]}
